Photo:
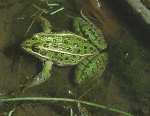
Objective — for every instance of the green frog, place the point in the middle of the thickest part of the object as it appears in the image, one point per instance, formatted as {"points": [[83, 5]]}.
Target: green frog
{"points": [[84, 48]]}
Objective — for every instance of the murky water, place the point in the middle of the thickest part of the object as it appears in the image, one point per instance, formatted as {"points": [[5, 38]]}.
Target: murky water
{"points": [[124, 85]]}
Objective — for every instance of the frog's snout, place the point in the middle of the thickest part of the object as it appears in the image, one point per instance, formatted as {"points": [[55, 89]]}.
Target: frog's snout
{"points": [[26, 45]]}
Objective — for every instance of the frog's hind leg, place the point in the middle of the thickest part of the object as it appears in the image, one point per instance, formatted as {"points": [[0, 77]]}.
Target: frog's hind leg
{"points": [[86, 28], [91, 68], [43, 76]]}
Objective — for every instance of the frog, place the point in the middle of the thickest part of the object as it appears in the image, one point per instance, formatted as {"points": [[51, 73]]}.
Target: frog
{"points": [[82, 48]]}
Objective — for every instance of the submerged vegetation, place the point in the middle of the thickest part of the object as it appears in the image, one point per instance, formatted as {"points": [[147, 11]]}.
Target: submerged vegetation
{"points": [[64, 100]]}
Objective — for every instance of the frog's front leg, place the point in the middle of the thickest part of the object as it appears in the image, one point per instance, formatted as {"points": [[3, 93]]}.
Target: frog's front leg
{"points": [[43, 76], [45, 24]]}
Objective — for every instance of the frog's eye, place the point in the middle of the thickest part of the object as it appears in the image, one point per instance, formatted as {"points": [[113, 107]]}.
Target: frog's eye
{"points": [[34, 38]]}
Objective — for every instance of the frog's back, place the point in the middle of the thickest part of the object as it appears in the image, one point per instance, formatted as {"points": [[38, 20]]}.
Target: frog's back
{"points": [[62, 48]]}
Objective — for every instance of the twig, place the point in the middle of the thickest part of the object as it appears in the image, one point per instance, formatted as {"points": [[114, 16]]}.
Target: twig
{"points": [[17, 99]]}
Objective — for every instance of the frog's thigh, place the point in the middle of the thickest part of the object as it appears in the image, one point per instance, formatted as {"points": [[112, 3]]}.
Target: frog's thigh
{"points": [[91, 67], [44, 75]]}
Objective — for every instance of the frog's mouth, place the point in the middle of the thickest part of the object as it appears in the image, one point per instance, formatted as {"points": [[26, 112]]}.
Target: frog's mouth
{"points": [[27, 47], [33, 50]]}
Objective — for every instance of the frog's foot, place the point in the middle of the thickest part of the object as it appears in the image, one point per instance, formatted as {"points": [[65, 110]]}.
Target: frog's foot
{"points": [[91, 68], [43, 76]]}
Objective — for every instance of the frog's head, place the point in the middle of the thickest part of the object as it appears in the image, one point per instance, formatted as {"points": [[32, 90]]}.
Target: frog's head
{"points": [[31, 45]]}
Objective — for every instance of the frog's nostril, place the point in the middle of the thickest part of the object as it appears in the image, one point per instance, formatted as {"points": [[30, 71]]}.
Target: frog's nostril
{"points": [[25, 45]]}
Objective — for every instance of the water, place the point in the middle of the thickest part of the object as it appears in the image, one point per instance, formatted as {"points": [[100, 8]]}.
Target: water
{"points": [[124, 85]]}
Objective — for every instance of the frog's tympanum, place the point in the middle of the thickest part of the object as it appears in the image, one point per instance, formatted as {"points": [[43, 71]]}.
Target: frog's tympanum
{"points": [[85, 49]]}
